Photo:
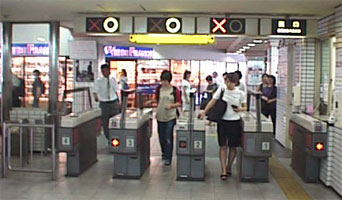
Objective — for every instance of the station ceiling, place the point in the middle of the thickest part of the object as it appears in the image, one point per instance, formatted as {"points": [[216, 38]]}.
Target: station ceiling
{"points": [[64, 10]]}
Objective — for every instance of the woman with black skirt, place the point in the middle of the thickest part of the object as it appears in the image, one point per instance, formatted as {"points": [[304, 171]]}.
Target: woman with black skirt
{"points": [[229, 128]]}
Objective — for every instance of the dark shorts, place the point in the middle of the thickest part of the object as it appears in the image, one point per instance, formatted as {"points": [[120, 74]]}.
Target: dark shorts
{"points": [[229, 131]]}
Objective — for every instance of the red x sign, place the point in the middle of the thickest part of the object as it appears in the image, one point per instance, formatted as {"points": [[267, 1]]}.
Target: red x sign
{"points": [[94, 25], [219, 26]]}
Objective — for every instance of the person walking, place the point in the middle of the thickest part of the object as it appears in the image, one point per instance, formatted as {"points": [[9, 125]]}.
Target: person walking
{"points": [[269, 100], [105, 91], [169, 99], [230, 126]]}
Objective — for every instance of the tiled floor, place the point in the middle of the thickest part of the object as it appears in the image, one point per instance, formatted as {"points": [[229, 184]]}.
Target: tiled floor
{"points": [[158, 182]]}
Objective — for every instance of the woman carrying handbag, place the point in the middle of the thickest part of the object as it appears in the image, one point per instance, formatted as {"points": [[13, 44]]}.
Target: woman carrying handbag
{"points": [[229, 127]]}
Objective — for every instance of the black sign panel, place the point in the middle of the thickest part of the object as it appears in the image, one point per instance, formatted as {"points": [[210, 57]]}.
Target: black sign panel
{"points": [[164, 25], [288, 27], [102, 24], [227, 26]]}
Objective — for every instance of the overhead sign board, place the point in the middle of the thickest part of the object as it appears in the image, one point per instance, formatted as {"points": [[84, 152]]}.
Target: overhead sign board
{"points": [[288, 27], [112, 51], [164, 25], [30, 49], [228, 26], [102, 24]]}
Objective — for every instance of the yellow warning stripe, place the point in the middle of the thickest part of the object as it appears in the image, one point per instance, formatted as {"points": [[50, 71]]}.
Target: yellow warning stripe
{"points": [[291, 188]]}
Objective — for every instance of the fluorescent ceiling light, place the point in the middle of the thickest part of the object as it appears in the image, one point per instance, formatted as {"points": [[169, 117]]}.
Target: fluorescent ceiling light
{"points": [[242, 50], [251, 44], [246, 47], [172, 39], [40, 39], [257, 41]]}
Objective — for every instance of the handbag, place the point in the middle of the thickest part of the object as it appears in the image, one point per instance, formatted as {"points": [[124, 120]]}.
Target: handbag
{"points": [[217, 111]]}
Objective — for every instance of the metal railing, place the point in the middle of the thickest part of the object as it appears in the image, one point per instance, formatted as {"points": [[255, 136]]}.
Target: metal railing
{"points": [[7, 148]]}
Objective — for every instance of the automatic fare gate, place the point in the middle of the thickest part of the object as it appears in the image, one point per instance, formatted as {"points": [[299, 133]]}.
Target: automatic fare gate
{"points": [[130, 135], [308, 146], [256, 147], [78, 138], [190, 145]]}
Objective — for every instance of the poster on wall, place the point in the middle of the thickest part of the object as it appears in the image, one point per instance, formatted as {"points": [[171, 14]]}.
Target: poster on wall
{"points": [[84, 70], [255, 69], [83, 49]]}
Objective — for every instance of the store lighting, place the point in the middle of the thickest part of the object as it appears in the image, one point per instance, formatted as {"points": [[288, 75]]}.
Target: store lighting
{"points": [[246, 47], [41, 39], [242, 50], [251, 44], [176, 39], [257, 41]]}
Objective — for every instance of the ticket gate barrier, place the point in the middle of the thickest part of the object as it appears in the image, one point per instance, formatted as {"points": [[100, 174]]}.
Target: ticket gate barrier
{"points": [[308, 148], [256, 147], [190, 146], [78, 138], [130, 134]]}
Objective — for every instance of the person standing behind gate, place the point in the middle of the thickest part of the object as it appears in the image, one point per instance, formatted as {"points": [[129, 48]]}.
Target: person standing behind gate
{"points": [[186, 87], [38, 88], [105, 91], [169, 99], [229, 128]]}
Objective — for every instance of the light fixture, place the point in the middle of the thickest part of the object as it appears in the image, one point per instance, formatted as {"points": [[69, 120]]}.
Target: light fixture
{"points": [[257, 41], [40, 39], [246, 47], [251, 44], [172, 39], [242, 50]]}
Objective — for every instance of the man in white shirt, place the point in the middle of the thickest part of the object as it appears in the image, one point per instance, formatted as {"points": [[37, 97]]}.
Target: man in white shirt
{"points": [[105, 91]]}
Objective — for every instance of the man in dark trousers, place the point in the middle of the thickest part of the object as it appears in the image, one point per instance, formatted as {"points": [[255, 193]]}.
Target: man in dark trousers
{"points": [[105, 91], [38, 88]]}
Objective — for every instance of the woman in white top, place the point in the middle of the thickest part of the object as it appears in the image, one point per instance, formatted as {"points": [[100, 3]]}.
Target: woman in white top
{"points": [[230, 127], [186, 87], [123, 80]]}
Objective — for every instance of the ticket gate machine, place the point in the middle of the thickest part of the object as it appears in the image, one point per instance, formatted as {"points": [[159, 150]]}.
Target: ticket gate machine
{"points": [[308, 146], [256, 147], [190, 145], [130, 133], [78, 138]]}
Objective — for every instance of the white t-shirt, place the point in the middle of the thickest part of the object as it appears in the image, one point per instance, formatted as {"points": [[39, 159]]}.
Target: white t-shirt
{"points": [[187, 87], [219, 81], [243, 88], [232, 97]]}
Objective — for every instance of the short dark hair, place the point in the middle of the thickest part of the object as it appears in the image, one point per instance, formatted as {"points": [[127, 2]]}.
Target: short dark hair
{"points": [[186, 73], [263, 75], [166, 76], [225, 74], [273, 78], [103, 66], [232, 78], [209, 78], [36, 71], [124, 72], [238, 73]]}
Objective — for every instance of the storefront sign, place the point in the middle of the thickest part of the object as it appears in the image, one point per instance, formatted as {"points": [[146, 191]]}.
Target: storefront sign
{"points": [[30, 49], [227, 26], [147, 88], [102, 24], [128, 52], [164, 25], [288, 27]]}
